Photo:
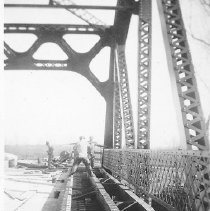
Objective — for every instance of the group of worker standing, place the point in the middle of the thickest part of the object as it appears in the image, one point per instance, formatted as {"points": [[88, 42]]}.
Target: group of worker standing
{"points": [[83, 151]]}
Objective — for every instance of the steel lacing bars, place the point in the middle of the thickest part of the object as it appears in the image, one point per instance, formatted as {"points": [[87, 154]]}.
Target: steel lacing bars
{"points": [[185, 78], [82, 14], [117, 112], [125, 97], [144, 74]]}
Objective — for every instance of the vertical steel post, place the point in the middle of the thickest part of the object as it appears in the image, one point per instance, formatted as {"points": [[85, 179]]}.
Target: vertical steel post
{"points": [[144, 74], [117, 112], [125, 97], [182, 74], [108, 136]]}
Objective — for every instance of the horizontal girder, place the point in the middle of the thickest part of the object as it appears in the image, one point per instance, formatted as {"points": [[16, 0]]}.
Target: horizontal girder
{"points": [[38, 65], [61, 28], [72, 6]]}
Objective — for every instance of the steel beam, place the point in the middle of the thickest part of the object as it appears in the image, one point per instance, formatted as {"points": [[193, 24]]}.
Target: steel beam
{"points": [[77, 62], [109, 97], [122, 21], [66, 6], [122, 195], [125, 97], [117, 112], [144, 74], [182, 73], [82, 14], [9, 52], [34, 64], [122, 93], [61, 28]]}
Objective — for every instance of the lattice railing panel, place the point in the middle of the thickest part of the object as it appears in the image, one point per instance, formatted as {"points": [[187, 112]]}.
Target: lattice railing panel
{"points": [[185, 78], [175, 179], [125, 97], [144, 74]]}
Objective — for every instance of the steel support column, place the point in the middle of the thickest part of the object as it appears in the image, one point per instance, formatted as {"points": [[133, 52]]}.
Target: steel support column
{"points": [[108, 136], [182, 72], [117, 112], [125, 97], [144, 74]]}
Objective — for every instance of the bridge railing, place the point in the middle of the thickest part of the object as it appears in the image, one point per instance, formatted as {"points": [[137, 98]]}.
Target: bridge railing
{"points": [[177, 180]]}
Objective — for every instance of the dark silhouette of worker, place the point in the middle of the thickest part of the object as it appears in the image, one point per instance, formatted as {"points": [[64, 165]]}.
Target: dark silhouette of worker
{"points": [[50, 154], [50, 2], [80, 151]]}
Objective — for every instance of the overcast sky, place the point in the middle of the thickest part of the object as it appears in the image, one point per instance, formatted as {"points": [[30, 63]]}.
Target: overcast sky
{"points": [[60, 106]]}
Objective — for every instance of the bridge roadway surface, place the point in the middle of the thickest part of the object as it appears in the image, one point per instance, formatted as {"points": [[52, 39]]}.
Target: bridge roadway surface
{"points": [[98, 193], [85, 194]]}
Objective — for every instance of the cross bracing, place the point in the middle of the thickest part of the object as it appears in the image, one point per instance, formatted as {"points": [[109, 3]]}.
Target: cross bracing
{"points": [[116, 90]]}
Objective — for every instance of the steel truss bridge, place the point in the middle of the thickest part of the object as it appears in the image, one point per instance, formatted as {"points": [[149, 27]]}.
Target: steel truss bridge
{"points": [[165, 180]]}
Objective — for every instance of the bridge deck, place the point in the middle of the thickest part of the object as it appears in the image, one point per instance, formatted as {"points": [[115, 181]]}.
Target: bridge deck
{"points": [[94, 193], [82, 193]]}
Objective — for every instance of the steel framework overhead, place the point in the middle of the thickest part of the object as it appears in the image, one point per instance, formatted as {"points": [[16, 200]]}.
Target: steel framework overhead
{"points": [[177, 180], [115, 36]]}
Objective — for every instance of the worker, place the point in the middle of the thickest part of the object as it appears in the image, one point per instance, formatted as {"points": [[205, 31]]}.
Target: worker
{"points": [[81, 155], [50, 154]]}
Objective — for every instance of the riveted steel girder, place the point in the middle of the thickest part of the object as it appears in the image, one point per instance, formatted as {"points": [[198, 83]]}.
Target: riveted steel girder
{"points": [[77, 62], [117, 112], [144, 74], [108, 135], [53, 28], [125, 97], [66, 6], [182, 67]]}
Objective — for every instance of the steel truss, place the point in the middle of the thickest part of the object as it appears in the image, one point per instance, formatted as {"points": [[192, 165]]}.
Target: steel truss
{"points": [[117, 112], [125, 97], [186, 83], [144, 74], [79, 62], [184, 73], [176, 180]]}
